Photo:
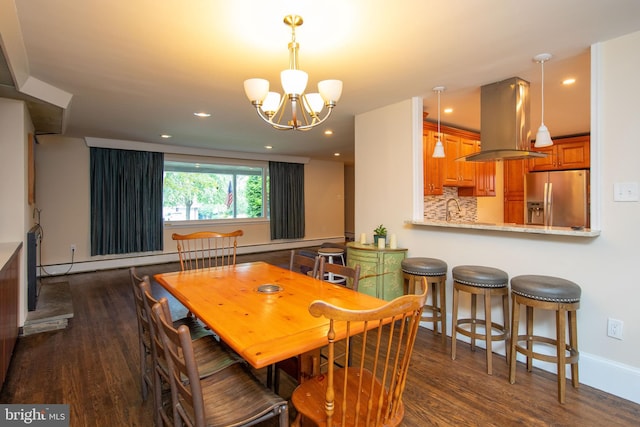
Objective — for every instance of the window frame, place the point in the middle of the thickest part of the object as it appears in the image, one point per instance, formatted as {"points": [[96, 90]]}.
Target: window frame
{"points": [[225, 166]]}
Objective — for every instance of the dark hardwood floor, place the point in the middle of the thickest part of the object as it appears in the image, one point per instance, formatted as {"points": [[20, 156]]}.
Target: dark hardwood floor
{"points": [[93, 366]]}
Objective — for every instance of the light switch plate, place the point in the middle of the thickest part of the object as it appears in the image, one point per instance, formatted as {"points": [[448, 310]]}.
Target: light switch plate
{"points": [[625, 192]]}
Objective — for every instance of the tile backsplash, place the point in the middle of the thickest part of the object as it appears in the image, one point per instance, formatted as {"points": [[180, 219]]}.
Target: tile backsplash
{"points": [[435, 206]]}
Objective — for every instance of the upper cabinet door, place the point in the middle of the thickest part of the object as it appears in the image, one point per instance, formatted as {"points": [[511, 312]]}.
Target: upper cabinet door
{"points": [[433, 168], [565, 153]]}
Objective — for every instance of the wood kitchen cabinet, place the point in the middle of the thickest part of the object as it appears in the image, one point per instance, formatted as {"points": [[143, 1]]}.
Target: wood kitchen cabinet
{"points": [[565, 153], [433, 168], [485, 179], [9, 285], [380, 269], [514, 171], [458, 173]]}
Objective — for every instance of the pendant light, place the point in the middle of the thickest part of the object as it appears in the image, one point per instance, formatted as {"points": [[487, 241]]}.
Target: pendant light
{"points": [[543, 138], [438, 150]]}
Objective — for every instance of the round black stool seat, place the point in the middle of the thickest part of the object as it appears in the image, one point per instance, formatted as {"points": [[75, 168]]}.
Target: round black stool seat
{"points": [[546, 288], [480, 276], [424, 266]]}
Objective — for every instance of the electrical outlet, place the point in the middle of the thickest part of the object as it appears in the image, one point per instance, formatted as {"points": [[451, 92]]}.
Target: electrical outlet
{"points": [[614, 328], [73, 247]]}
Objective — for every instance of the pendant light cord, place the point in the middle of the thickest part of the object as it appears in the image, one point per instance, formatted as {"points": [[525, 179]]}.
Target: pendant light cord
{"points": [[542, 98], [439, 115]]}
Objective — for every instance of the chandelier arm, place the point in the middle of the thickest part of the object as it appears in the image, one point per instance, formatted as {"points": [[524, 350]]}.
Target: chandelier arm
{"points": [[314, 124]]}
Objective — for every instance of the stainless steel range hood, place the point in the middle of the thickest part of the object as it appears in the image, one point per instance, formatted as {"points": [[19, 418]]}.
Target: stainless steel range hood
{"points": [[505, 130]]}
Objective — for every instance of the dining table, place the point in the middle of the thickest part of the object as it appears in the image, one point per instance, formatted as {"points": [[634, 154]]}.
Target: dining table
{"points": [[261, 311]]}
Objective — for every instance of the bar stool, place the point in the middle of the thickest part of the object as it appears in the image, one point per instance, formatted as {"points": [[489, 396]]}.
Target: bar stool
{"points": [[547, 293], [435, 271], [488, 282]]}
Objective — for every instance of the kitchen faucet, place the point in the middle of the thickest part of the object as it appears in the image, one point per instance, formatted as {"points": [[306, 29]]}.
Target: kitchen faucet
{"points": [[448, 214]]}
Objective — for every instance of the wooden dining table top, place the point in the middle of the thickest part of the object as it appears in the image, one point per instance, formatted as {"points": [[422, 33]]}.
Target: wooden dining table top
{"points": [[262, 327]]}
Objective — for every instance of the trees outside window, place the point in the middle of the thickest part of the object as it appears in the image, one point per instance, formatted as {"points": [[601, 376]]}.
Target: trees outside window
{"points": [[201, 191]]}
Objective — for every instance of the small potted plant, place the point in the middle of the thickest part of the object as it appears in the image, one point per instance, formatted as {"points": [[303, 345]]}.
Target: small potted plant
{"points": [[379, 231]]}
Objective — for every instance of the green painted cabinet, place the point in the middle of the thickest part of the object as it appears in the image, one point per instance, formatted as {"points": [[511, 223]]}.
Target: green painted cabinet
{"points": [[380, 269]]}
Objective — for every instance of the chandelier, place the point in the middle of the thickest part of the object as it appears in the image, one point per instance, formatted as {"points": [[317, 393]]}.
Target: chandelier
{"points": [[305, 107]]}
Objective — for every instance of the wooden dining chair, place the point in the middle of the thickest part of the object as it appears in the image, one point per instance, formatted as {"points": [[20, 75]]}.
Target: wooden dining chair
{"points": [[369, 393], [304, 262], [229, 397], [351, 274], [144, 336], [204, 249], [210, 354]]}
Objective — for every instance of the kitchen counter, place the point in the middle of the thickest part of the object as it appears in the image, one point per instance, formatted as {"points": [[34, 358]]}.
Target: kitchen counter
{"points": [[509, 227]]}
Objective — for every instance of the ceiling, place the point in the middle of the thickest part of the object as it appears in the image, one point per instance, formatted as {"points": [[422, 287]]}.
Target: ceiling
{"points": [[139, 69]]}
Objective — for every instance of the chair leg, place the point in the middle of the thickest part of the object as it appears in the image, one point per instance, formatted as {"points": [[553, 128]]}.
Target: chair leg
{"points": [[561, 351], [454, 322], [529, 338], [515, 318], [443, 309], [488, 330], [474, 318], [505, 319], [573, 343]]}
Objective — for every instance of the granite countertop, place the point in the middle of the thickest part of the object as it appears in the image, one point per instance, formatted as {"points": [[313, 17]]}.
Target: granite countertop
{"points": [[507, 227]]}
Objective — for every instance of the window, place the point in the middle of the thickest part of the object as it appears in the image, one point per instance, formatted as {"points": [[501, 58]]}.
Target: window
{"points": [[206, 191]]}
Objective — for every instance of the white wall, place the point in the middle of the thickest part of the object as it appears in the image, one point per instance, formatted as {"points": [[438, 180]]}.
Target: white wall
{"points": [[605, 267], [62, 166], [15, 215]]}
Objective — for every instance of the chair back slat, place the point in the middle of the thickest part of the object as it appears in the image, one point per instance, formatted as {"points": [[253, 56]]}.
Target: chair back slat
{"points": [[368, 392], [182, 366], [305, 264], [352, 274], [206, 249]]}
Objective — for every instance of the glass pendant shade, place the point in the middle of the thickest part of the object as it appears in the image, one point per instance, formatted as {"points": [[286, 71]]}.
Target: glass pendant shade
{"points": [[543, 138], [271, 102], [330, 90], [294, 82], [256, 89], [438, 150], [314, 102]]}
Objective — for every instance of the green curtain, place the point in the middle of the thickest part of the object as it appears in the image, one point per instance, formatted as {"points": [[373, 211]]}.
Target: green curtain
{"points": [[126, 201], [286, 200]]}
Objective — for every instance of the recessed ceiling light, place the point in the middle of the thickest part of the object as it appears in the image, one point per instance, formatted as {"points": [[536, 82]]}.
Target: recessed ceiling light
{"points": [[448, 110], [165, 136], [202, 114], [328, 132], [569, 81], [268, 147], [336, 154]]}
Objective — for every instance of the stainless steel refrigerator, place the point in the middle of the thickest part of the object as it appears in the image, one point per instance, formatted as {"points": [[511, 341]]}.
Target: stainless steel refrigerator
{"points": [[558, 198]]}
